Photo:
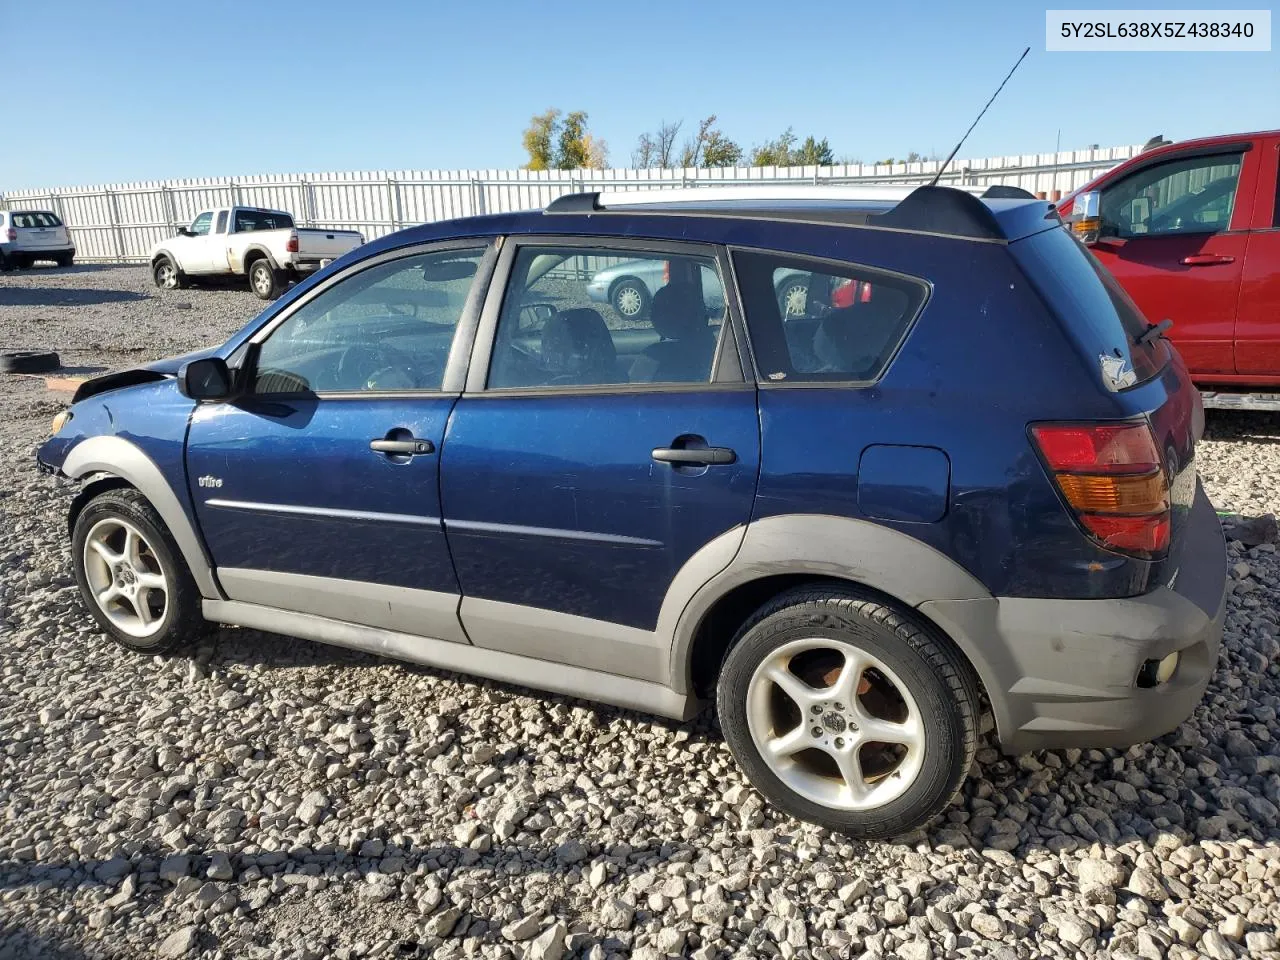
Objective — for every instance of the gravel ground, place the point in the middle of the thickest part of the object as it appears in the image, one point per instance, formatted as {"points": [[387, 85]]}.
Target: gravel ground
{"points": [[267, 797]]}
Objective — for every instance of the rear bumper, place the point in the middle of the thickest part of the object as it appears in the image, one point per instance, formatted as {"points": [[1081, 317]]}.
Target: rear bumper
{"points": [[35, 253], [1064, 673]]}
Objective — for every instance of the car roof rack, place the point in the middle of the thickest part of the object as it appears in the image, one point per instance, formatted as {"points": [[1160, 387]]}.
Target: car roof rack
{"points": [[953, 211]]}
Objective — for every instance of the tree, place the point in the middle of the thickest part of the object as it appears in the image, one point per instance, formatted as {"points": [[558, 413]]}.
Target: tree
{"points": [[539, 139], [642, 156], [720, 151], [572, 151], [813, 153], [657, 149], [774, 153], [782, 152], [709, 147], [555, 144], [597, 152]]}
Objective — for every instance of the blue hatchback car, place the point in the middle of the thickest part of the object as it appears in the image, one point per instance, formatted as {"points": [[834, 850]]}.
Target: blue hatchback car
{"points": [[860, 524]]}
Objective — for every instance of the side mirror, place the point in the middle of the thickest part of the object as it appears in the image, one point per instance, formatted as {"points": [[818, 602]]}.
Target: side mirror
{"points": [[1085, 221], [184, 232], [206, 379]]}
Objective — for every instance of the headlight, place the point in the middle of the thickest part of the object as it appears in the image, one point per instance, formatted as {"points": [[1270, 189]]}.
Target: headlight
{"points": [[61, 420]]}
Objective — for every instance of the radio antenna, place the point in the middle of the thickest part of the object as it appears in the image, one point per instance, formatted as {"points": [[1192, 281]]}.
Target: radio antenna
{"points": [[937, 176]]}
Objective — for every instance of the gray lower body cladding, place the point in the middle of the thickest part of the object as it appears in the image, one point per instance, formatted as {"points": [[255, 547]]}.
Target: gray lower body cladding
{"points": [[1064, 673]]}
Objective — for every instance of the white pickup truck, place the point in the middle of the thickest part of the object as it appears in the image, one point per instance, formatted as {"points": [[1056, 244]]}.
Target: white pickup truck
{"points": [[263, 245]]}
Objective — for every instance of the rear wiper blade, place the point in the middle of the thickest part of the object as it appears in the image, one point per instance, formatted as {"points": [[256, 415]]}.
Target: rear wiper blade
{"points": [[1153, 331]]}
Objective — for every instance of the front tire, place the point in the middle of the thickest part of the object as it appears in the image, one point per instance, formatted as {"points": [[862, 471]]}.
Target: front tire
{"points": [[166, 274], [630, 297], [849, 713], [131, 574], [265, 281]]}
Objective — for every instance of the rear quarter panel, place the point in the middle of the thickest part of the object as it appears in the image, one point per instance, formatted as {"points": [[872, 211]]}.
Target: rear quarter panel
{"points": [[985, 359]]}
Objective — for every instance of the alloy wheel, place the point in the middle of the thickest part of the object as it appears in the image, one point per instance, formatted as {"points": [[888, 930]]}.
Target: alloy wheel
{"points": [[125, 577], [835, 724]]}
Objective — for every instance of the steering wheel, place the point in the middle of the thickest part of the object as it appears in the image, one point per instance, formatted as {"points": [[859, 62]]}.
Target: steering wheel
{"points": [[362, 367]]}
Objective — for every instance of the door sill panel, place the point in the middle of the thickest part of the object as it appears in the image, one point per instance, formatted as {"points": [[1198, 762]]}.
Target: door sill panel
{"points": [[596, 645], [492, 664], [387, 607]]}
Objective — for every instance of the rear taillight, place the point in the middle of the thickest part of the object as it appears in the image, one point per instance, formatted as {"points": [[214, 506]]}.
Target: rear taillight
{"points": [[1112, 478], [12, 234], [292, 245]]}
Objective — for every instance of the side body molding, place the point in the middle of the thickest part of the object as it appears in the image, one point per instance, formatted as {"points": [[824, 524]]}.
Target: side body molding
{"points": [[871, 554], [118, 457]]}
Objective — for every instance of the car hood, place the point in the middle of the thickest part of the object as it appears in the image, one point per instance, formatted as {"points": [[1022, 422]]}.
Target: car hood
{"points": [[147, 373]]}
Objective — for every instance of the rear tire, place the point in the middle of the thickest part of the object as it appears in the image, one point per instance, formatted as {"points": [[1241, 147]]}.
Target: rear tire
{"points": [[266, 281], [65, 260], [812, 683], [166, 274], [131, 574]]}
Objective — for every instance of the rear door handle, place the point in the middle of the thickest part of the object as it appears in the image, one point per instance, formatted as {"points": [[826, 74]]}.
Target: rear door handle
{"points": [[403, 448], [1206, 259], [699, 455]]}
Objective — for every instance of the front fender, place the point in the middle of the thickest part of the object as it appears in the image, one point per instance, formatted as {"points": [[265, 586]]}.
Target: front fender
{"points": [[117, 457]]}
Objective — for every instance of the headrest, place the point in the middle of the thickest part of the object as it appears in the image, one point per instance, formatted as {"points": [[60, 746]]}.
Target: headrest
{"points": [[576, 342], [854, 339], [678, 312]]}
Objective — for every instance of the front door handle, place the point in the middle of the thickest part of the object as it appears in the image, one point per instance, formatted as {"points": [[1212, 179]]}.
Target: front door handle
{"points": [[706, 456], [1206, 259], [402, 448]]}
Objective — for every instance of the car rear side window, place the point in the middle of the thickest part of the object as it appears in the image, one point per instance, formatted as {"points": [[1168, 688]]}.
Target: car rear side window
{"points": [[816, 321], [1092, 305]]}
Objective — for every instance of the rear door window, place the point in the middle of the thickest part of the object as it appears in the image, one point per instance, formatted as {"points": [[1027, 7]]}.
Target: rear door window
{"points": [[816, 321], [598, 316]]}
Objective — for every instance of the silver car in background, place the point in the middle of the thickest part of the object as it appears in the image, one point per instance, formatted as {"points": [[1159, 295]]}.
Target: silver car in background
{"points": [[629, 287]]}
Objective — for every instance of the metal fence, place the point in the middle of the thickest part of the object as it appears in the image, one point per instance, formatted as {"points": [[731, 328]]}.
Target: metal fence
{"points": [[120, 222]]}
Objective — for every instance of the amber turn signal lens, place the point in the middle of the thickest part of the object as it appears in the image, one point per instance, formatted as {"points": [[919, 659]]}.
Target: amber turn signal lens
{"points": [[1115, 493], [1112, 478], [61, 420]]}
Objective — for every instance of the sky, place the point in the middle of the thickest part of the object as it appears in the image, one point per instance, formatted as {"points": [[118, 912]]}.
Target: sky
{"points": [[110, 92]]}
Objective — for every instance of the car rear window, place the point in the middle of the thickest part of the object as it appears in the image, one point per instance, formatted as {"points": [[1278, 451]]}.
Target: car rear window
{"points": [[1092, 305], [819, 321], [248, 221], [34, 218]]}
